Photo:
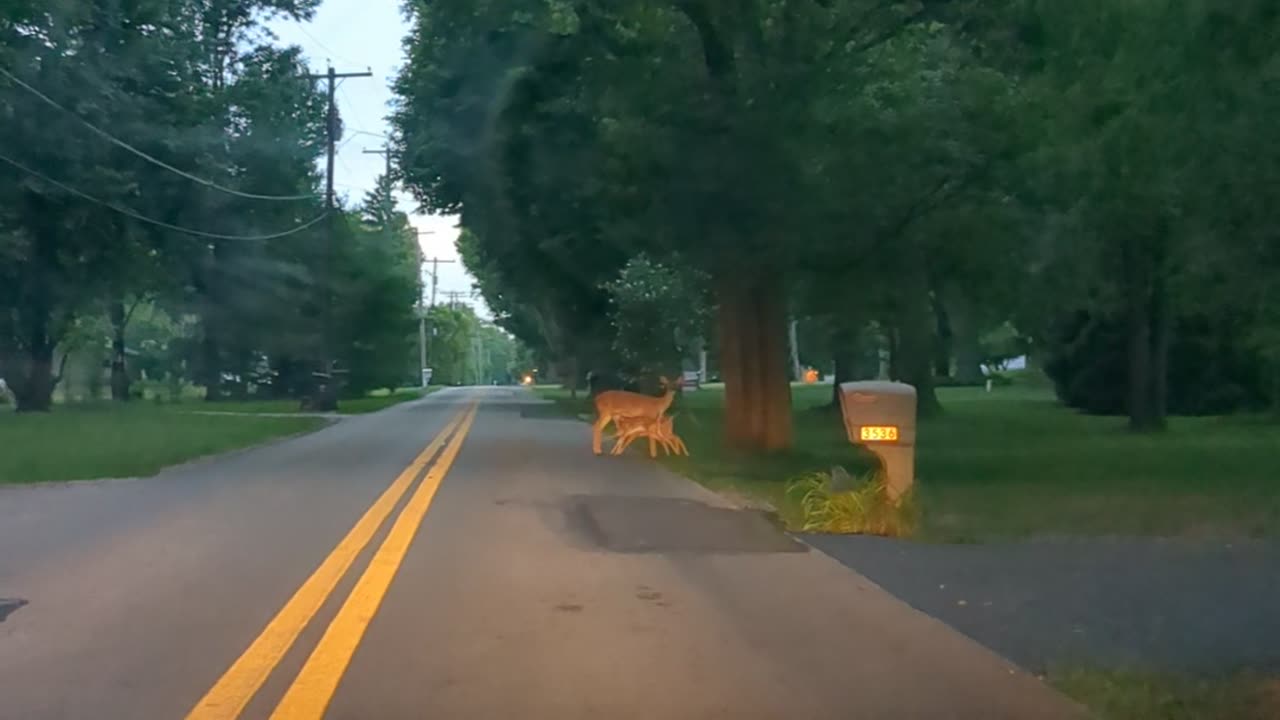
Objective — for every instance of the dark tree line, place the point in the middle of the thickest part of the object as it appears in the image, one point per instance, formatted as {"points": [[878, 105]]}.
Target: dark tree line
{"points": [[922, 179], [169, 163]]}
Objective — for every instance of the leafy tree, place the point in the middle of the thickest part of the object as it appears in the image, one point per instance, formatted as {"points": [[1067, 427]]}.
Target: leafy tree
{"points": [[453, 329], [659, 314], [375, 300], [1147, 97], [63, 250], [499, 357], [198, 84], [914, 174], [554, 310]]}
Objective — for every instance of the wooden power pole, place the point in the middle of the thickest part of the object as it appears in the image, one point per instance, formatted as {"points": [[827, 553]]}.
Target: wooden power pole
{"points": [[456, 296], [425, 339], [435, 281], [326, 397], [385, 152]]}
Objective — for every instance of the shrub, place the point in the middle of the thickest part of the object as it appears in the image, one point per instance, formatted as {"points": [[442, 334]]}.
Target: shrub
{"points": [[1210, 370], [859, 507]]}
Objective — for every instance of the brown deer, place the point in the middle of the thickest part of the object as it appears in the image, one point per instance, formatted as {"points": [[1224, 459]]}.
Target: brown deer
{"points": [[614, 405], [628, 430], [660, 431], [670, 440]]}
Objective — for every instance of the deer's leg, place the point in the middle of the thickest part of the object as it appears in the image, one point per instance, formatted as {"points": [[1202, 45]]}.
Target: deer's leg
{"points": [[678, 446], [666, 445], [653, 445], [596, 431], [620, 442], [624, 442], [673, 446]]}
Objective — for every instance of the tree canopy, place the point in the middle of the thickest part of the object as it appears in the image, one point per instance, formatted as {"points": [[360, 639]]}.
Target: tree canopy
{"points": [[162, 155], [908, 176]]}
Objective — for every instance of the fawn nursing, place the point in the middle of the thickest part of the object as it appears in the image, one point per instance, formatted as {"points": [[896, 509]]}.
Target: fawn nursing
{"points": [[633, 415]]}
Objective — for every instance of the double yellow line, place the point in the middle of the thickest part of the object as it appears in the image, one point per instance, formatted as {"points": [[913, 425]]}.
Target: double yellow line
{"points": [[315, 684]]}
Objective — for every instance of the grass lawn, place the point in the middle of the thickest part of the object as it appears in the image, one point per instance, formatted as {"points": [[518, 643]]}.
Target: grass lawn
{"points": [[1134, 695], [373, 402], [1014, 463], [82, 443]]}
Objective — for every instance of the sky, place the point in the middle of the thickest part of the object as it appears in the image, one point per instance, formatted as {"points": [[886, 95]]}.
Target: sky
{"points": [[359, 35]]}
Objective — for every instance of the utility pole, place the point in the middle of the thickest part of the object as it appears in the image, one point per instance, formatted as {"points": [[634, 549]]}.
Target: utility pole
{"points": [[424, 339], [435, 280], [456, 296], [386, 153], [326, 399], [387, 177], [422, 323]]}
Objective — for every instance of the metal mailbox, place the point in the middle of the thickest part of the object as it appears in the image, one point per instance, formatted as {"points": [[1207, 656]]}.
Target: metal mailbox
{"points": [[882, 416]]}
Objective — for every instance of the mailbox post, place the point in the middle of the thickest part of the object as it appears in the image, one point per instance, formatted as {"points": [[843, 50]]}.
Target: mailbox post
{"points": [[882, 417]]}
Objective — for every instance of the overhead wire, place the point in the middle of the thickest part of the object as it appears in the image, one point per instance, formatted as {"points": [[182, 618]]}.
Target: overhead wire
{"points": [[355, 114], [159, 223], [343, 144], [149, 158], [336, 55], [344, 164]]}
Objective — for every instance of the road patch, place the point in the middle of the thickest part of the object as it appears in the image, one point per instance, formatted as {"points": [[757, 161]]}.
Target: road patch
{"points": [[632, 524], [9, 605]]}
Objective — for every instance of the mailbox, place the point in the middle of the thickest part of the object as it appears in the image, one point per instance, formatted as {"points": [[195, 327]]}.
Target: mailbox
{"points": [[882, 417]]}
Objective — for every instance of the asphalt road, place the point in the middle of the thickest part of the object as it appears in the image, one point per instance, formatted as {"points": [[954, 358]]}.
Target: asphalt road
{"points": [[1180, 605], [365, 571]]}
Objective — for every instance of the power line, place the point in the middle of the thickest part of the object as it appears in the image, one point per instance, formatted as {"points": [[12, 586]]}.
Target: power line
{"points": [[116, 141], [142, 218], [344, 165], [343, 144], [322, 46], [354, 112]]}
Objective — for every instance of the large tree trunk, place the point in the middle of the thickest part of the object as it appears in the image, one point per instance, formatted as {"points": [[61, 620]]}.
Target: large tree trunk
{"points": [[916, 344], [843, 345], [1162, 319], [210, 363], [1275, 389], [964, 336], [775, 390], [34, 389], [894, 340], [741, 411], [33, 385], [119, 371], [753, 364], [34, 380], [728, 314], [570, 370], [1141, 413], [1148, 342], [942, 346]]}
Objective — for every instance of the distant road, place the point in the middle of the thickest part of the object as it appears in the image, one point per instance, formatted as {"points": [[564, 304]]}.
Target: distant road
{"points": [[450, 558]]}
